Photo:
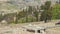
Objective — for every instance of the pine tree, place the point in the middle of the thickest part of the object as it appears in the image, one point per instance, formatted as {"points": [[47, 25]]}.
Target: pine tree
{"points": [[47, 14], [36, 13]]}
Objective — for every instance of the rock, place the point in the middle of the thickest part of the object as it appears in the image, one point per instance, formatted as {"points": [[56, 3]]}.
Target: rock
{"points": [[3, 22]]}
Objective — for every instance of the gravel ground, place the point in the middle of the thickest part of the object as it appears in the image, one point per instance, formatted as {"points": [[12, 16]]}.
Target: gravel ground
{"points": [[15, 28]]}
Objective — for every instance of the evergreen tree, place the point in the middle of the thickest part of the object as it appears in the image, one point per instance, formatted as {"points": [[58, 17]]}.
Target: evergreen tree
{"points": [[26, 15], [36, 13], [47, 14]]}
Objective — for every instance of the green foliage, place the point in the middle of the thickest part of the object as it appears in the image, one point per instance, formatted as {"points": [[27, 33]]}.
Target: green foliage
{"points": [[47, 13], [21, 14], [23, 20], [36, 13], [25, 13], [1, 17], [30, 9], [47, 5], [56, 11], [58, 15]]}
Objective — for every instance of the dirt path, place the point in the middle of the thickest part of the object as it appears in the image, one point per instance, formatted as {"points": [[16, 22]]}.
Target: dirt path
{"points": [[15, 28]]}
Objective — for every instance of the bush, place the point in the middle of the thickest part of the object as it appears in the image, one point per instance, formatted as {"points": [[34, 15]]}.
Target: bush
{"points": [[30, 19], [56, 11]]}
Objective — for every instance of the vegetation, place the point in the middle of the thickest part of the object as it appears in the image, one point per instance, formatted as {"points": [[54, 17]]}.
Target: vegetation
{"points": [[23, 20], [56, 11], [47, 13], [31, 13], [36, 13], [1, 17]]}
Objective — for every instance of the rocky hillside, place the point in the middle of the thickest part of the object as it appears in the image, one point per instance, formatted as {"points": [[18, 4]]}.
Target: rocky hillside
{"points": [[22, 3]]}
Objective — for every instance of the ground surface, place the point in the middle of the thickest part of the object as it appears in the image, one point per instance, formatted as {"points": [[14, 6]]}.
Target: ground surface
{"points": [[15, 28]]}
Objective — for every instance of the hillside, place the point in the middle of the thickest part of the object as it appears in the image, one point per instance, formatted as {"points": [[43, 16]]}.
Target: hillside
{"points": [[7, 6], [14, 4]]}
